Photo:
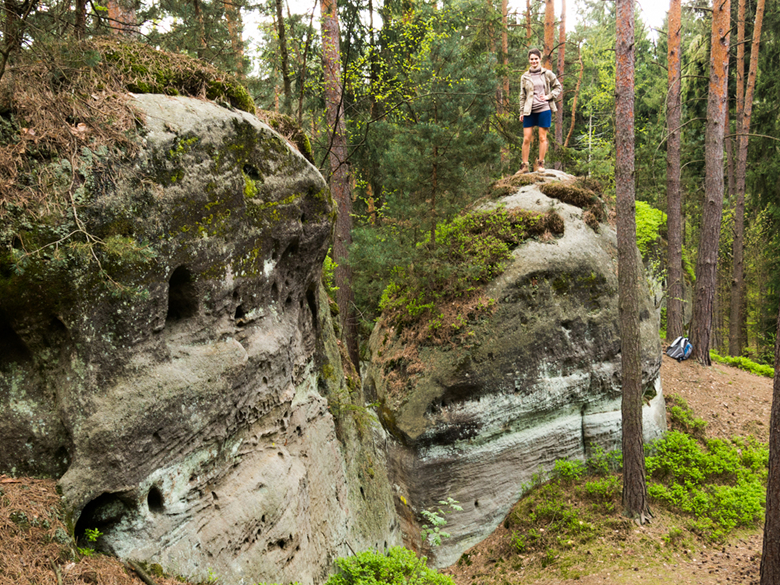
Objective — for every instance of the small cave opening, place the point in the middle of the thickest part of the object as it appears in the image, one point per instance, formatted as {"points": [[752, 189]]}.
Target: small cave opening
{"points": [[102, 513], [291, 250], [240, 313], [252, 172], [12, 347], [311, 300], [154, 499], [182, 297], [274, 291]]}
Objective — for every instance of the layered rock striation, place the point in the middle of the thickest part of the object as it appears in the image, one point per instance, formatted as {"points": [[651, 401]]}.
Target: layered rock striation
{"points": [[538, 379], [175, 364]]}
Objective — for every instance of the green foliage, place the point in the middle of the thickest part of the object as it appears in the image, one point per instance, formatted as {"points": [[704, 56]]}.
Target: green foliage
{"points": [[682, 417], [432, 530], [649, 222], [399, 566], [744, 363], [91, 535], [603, 462], [328, 269], [569, 471], [470, 251], [721, 483]]}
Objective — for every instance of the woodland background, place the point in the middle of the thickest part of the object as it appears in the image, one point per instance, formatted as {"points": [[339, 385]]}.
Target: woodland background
{"points": [[412, 107]]}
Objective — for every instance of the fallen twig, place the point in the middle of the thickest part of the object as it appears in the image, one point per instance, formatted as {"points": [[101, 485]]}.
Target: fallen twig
{"points": [[141, 573]]}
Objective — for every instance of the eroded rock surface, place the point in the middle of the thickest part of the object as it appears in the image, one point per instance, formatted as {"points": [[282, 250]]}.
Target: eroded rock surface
{"points": [[538, 380], [184, 398]]}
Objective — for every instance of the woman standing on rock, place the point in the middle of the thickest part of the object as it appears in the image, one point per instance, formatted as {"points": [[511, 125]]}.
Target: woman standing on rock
{"points": [[539, 89]]}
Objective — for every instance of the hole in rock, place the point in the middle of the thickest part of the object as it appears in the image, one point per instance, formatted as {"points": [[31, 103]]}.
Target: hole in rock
{"points": [[102, 513], [311, 300], [240, 313], [274, 291], [362, 493], [288, 301], [12, 348], [252, 172], [476, 503], [156, 436], [263, 518], [303, 218], [182, 298], [154, 499], [291, 250]]}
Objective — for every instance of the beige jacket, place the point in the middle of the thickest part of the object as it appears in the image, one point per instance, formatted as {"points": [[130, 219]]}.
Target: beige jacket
{"points": [[552, 89]]}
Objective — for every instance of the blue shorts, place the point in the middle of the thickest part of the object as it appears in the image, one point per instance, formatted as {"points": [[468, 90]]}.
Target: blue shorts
{"points": [[541, 119]]}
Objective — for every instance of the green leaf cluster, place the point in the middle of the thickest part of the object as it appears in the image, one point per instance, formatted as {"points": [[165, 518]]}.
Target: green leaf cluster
{"points": [[399, 566], [649, 222], [744, 363], [721, 483]]}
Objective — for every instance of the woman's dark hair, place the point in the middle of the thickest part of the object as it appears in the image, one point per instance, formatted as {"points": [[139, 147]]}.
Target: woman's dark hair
{"points": [[536, 52]]}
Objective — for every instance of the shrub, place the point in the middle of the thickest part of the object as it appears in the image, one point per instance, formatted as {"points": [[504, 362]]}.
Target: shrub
{"points": [[399, 566], [744, 363]]}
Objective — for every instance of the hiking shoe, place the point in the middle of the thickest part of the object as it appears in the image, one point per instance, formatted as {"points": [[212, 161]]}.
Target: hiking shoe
{"points": [[540, 165], [523, 169]]}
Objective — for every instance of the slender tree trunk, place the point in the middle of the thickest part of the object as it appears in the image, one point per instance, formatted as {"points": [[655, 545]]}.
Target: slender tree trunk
{"points": [[339, 174], [576, 97], [80, 25], [505, 49], [549, 33], [561, 67], [743, 128], [302, 83], [200, 29], [528, 31], [731, 185], [285, 61], [674, 300], [707, 262], [770, 556], [634, 486], [235, 27]]}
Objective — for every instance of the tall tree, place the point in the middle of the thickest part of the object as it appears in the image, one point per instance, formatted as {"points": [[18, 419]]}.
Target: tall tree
{"points": [[634, 485], [674, 300], [121, 17], [235, 27], [707, 261], [549, 33], [770, 556], [528, 32], [339, 173], [560, 72], [743, 128], [285, 61]]}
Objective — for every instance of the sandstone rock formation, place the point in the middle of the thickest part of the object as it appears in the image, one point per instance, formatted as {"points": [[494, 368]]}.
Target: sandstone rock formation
{"points": [[182, 386], [536, 381]]}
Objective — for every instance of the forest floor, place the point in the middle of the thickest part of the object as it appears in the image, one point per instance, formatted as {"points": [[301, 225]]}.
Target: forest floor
{"points": [[733, 402], [35, 548]]}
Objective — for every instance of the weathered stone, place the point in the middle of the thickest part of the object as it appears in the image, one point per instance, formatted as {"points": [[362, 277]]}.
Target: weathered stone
{"points": [[538, 380], [185, 399]]}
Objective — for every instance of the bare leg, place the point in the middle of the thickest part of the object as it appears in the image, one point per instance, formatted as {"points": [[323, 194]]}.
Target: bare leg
{"points": [[542, 142], [528, 137]]}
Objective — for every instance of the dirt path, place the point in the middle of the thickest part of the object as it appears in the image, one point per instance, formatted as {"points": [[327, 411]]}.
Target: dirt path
{"points": [[733, 402]]}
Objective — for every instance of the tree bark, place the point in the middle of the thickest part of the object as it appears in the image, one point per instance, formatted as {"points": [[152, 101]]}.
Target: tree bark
{"points": [[528, 31], [80, 24], [560, 72], [200, 29], [635, 502], [770, 556], [505, 52], [707, 262], [736, 340], [283, 57], [121, 17], [235, 27], [576, 97], [339, 174], [549, 33], [674, 299]]}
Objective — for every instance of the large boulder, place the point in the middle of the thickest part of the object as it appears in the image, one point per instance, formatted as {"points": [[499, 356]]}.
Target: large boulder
{"points": [[176, 363], [536, 380]]}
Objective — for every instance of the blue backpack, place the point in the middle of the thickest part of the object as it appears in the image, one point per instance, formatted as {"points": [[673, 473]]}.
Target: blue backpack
{"points": [[680, 349]]}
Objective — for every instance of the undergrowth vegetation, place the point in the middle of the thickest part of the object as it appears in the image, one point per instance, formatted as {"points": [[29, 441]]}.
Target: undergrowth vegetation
{"points": [[399, 566], [744, 363], [707, 487], [469, 251]]}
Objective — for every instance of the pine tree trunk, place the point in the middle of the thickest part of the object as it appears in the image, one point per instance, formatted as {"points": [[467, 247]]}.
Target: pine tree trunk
{"points": [[561, 67], [549, 33], [235, 28], [200, 29], [528, 32], [285, 61], [339, 174], [121, 17], [770, 556], [707, 262], [80, 25], [576, 96], [634, 485], [743, 128], [674, 299]]}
